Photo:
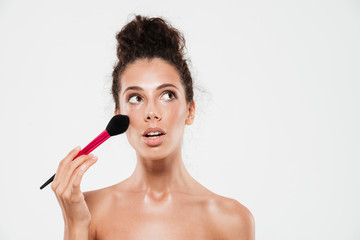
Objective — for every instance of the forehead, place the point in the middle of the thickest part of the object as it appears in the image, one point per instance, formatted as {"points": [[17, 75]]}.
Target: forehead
{"points": [[150, 73]]}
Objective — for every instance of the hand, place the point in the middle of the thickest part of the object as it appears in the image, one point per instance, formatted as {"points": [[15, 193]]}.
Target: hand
{"points": [[66, 187]]}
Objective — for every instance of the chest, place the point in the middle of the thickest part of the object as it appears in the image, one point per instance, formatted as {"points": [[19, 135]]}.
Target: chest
{"points": [[136, 222]]}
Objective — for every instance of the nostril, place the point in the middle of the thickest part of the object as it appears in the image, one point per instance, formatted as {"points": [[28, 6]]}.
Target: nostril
{"points": [[153, 115]]}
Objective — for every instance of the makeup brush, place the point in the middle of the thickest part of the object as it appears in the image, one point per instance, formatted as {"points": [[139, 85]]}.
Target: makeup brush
{"points": [[117, 125]]}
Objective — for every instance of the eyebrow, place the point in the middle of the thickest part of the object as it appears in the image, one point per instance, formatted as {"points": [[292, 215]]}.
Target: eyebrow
{"points": [[158, 88]]}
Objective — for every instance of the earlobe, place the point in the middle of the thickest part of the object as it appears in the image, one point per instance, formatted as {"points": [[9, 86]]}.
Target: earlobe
{"points": [[191, 116]]}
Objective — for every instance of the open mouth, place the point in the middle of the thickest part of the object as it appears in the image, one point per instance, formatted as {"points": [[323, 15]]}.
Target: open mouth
{"points": [[154, 140], [154, 135]]}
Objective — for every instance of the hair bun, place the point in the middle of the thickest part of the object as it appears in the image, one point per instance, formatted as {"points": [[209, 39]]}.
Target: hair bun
{"points": [[148, 37]]}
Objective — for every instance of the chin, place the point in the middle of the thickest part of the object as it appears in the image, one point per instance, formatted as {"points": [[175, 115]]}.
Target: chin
{"points": [[152, 155]]}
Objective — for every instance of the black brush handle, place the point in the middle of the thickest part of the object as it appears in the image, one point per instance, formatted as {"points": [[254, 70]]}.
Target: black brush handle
{"points": [[47, 182]]}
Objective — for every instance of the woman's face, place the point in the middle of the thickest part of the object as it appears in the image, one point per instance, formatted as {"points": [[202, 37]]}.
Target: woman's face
{"points": [[153, 96]]}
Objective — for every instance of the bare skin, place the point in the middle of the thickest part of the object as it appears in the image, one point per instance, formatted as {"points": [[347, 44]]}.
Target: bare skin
{"points": [[160, 200]]}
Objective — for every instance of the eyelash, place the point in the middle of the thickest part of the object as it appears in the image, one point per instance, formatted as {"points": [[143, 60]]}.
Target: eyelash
{"points": [[171, 92]]}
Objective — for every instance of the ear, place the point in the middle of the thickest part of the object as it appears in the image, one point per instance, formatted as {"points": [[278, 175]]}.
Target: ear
{"points": [[191, 113]]}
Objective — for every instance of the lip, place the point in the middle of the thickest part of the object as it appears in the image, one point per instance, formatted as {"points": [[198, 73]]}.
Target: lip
{"points": [[156, 129], [154, 141]]}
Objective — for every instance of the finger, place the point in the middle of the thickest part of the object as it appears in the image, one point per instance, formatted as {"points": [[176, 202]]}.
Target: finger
{"points": [[63, 164], [73, 189], [75, 164], [71, 155], [71, 167]]}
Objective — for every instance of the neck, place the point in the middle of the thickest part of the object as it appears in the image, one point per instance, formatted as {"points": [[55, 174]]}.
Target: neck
{"points": [[159, 178]]}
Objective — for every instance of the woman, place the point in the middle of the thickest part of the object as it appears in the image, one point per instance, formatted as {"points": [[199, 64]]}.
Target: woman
{"points": [[160, 200]]}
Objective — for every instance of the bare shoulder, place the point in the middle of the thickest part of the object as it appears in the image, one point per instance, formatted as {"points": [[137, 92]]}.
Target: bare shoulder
{"points": [[232, 219], [97, 202], [94, 199]]}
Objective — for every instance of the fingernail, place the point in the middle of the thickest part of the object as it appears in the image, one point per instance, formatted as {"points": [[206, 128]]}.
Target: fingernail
{"points": [[77, 148]]}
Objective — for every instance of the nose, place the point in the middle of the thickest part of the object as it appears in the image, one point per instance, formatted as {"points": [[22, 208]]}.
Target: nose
{"points": [[153, 116], [152, 113]]}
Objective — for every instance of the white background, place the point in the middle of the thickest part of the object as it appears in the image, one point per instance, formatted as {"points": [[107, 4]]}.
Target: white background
{"points": [[277, 124]]}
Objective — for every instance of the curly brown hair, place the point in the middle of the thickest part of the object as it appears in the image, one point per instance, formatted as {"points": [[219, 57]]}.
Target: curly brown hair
{"points": [[148, 38]]}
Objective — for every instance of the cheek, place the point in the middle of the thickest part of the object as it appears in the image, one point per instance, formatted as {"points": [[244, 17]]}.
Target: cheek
{"points": [[176, 114], [135, 116], [133, 112]]}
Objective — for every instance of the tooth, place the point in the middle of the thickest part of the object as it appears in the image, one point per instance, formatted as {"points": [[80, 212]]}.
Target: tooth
{"points": [[154, 133]]}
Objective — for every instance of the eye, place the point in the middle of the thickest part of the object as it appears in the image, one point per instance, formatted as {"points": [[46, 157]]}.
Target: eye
{"points": [[134, 99], [168, 95]]}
